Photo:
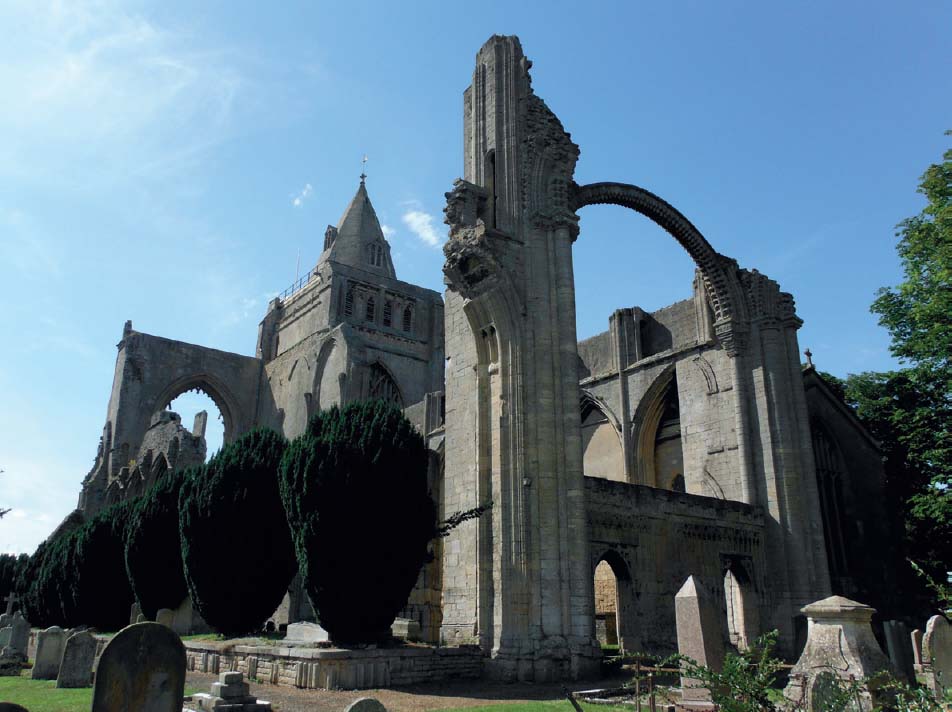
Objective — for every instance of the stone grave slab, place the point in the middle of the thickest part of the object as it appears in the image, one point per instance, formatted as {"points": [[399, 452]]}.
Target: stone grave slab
{"points": [[79, 654]]}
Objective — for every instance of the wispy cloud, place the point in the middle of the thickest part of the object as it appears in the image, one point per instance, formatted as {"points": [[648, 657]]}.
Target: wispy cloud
{"points": [[423, 225], [96, 83], [388, 231], [302, 195]]}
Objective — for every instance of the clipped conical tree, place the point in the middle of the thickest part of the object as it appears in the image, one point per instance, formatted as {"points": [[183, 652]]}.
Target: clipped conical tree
{"points": [[355, 490], [100, 588], [153, 553], [237, 553]]}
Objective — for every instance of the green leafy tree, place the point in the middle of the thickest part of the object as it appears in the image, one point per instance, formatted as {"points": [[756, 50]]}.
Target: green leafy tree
{"points": [[153, 554], [355, 490], [916, 402], [237, 553]]}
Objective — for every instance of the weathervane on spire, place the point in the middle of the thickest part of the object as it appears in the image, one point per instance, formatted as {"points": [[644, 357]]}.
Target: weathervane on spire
{"points": [[363, 169]]}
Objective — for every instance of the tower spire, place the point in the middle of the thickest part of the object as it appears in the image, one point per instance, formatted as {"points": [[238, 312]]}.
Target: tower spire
{"points": [[363, 169]]}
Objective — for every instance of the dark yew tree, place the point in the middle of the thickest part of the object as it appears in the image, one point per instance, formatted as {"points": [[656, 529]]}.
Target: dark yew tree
{"points": [[236, 548], [153, 554], [355, 490], [100, 588]]}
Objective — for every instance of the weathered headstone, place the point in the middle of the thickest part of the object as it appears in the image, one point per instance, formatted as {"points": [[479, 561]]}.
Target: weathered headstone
{"points": [[141, 618], [6, 633], [899, 649], [699, 635], [76, 666], [134, 612], [937, 653], [165, 616], [917, 648], [49, 653], [305, 632], [231, 692], [366, 704], [840, 649], [142, 669], [20, 635]]}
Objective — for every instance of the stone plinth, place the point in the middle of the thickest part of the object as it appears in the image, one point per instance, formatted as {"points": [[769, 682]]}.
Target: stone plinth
{"points": [[840, 648], [406, 629], [230, 694], [305, 632]]}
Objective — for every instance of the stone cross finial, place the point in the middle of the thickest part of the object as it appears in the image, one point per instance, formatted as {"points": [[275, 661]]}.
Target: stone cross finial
{"points": [[363, 169], [11, 599], [809, 355]]}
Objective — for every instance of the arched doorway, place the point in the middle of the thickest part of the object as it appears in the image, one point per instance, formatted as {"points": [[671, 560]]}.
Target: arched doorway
{"points": [[740, 600], [615, 606]]}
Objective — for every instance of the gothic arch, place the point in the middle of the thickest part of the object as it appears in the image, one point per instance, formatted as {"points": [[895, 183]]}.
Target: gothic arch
{"points": [[717, 270], [603, 455], [382, 385], [645, 424], [224, 400]]}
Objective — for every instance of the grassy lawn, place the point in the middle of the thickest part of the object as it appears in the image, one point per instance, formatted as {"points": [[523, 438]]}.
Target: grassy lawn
{"points": [[42, 695]]}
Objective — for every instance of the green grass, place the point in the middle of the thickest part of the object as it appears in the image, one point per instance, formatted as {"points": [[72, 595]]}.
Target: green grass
{"points": [[43, 696]]}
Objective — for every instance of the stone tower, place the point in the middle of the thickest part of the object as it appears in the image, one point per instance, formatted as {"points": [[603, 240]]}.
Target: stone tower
{"points": [[518, 583]]}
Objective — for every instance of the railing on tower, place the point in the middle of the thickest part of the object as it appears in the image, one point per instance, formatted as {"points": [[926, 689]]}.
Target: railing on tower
{"points": [[298, 285]]}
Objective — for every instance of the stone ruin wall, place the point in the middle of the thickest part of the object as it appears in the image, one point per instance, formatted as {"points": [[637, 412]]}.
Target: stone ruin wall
{"points": [[659, 538]]}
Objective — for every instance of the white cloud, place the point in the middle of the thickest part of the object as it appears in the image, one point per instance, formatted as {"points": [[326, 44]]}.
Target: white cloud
{"points": [[388, 231], [422, 225], [305, 192]]}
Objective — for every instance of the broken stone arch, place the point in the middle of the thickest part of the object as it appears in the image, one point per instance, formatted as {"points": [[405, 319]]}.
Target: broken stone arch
{"points": [[223, 399], [718, 271]]}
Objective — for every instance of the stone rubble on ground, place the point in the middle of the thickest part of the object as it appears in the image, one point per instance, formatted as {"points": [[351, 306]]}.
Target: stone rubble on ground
{"points": [[230, 694]]}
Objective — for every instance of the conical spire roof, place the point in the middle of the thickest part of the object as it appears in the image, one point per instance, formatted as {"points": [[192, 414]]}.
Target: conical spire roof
{"points": [[359, 240]]}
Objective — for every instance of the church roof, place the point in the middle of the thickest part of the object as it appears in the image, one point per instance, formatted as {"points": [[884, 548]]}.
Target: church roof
{"points": [[358, 240]]}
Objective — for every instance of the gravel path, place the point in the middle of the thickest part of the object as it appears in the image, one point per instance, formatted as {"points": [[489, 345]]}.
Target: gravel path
{"points": [[431, 696]]}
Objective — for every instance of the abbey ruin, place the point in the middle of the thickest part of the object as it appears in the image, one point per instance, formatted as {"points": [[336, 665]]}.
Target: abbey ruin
{"points": [[685, 441]]}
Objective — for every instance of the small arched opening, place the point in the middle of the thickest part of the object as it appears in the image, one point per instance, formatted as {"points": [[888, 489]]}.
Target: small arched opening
{"points": [[740, 599], [614, 603]]}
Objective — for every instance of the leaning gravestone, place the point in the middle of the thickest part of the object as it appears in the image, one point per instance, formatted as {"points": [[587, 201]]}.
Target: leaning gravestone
{"points": [[165, 616], [79, 654], [699, 636], [937, 652], [142, 669], [49, 652]]}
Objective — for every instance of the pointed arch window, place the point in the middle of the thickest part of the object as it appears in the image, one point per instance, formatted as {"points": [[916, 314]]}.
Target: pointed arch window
{"points": [[383, 387], [375, 254], [830, 475], [407, 319], [370, 312], [388, 313]]}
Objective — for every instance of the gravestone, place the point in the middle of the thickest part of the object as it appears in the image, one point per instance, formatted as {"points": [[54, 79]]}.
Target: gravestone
{"points": [[937, 653], [6, 633], [142, 669], [5, 619], [406, 629], [10, 599], [305, 632], [134, 612], [20, 634], [230, 693], [899, 649], [49, 653], [79, 654], [840, 648], [366, 704], [165, 616], [699, 636], [141, 618], [917, 648]]}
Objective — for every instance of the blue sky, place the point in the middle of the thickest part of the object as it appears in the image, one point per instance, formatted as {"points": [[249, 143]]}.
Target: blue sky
{"points": [[168, 162]]}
